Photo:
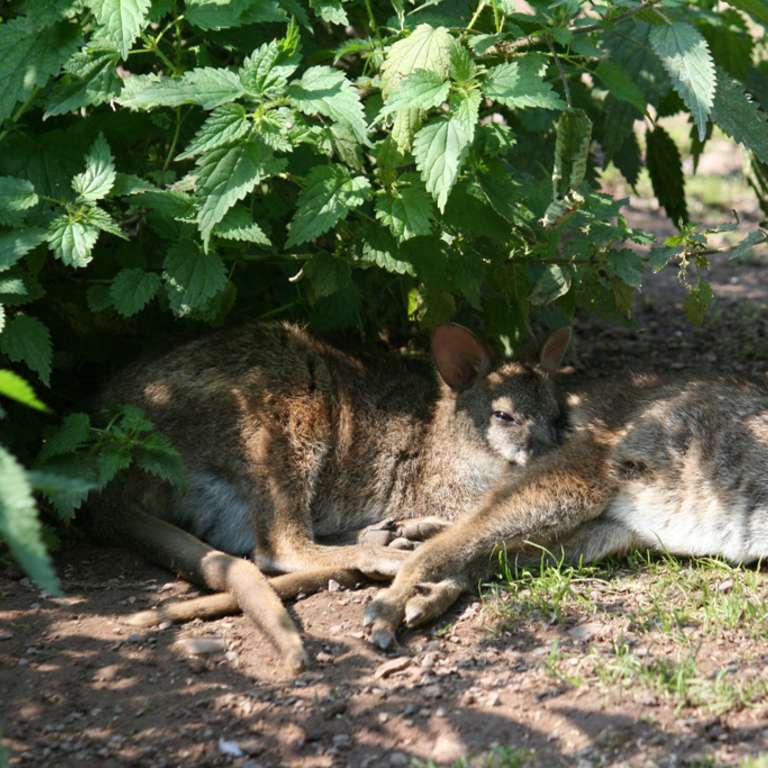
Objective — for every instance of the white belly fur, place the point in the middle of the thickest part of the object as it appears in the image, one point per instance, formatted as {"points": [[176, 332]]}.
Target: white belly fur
{"points": [[684, 524]]}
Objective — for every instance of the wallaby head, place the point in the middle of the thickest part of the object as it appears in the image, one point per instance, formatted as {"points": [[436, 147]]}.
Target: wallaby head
{"points": [[514, 410]]}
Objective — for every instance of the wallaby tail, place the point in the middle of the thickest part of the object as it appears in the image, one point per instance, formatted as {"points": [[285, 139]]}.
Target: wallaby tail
{"points": [[175, 549]]}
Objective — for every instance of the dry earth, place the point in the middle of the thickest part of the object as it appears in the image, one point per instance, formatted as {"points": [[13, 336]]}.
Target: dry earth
{"points": [[640, 663]]}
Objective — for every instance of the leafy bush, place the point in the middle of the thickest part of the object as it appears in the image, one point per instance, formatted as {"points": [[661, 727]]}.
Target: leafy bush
{"points": [[363, 165]]}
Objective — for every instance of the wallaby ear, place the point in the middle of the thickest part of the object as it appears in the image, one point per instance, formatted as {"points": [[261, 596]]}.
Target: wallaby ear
{"points": [[552, 352], [460, 357]]}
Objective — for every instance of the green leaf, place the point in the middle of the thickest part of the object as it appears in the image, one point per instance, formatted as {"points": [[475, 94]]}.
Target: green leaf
{"points": [[98, 297], [26, 340], [554, 282], [697, 302], [225, 125], [96, 181], [132, 290], [89, 79], [208, 87], [737, 115], [72, 241], [329, 194], [156, 455], [18, 243], [331, 11], [128, 184], [685, 55], [75, 429], [573, 137], [627, 265], [266, 71], [29, 55], [757, 9], [628, 159], [121, 20], [17, 196], [520, 84], [100, 219], [424, 48], [226, 175], [407, 212], [326, 91], [439, 149], [192, 276], [215, 14], [19, 525], [239, 225], [422, 89], [666, 172], [66, 493], [379, 249], [745, 246], [16, 388], [621, 85]]}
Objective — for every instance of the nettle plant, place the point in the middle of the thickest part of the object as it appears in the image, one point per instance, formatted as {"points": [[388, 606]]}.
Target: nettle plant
{"points": [[355, 165]]}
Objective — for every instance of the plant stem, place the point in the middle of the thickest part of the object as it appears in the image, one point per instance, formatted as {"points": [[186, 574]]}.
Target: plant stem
{"points": [[563, 78], [175, 141], [478, 11]]}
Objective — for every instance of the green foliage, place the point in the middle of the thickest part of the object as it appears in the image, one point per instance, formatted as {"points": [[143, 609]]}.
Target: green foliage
{"points": [[355, 165]]}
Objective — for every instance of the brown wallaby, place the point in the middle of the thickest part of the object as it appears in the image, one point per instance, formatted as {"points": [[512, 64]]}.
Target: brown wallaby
{"points": [[287, 441], [681, 468]]}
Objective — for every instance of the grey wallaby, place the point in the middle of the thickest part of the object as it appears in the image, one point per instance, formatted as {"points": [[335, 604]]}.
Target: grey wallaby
{"points": [[288, 442], [678, 467]]}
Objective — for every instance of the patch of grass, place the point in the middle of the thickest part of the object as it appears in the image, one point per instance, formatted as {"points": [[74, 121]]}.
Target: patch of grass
{"points": [[497, 757], [555, 666]]}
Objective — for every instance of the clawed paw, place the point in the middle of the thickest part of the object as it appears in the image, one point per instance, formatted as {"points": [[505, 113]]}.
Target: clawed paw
{"points": [[420, 603]]}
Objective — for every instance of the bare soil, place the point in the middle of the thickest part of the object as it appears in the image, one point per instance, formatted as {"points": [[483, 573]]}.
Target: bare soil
{"points": [[80, 688]]}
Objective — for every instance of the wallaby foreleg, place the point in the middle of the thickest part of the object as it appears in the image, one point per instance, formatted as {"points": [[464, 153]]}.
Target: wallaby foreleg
{"points": [[177, 550]]}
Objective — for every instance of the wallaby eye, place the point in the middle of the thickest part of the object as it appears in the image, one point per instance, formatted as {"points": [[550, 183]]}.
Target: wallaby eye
{"points": [[503, 416]]}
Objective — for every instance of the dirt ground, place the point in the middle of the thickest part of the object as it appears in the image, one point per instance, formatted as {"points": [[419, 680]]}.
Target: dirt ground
{"points": [[639, 663]]}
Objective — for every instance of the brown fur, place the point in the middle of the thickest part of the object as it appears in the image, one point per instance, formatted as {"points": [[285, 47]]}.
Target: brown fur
{"points": [[286, 441], [677, 467]]}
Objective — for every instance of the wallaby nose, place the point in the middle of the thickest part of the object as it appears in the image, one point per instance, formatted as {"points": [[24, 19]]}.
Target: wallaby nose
{"points": [[539, 439]]}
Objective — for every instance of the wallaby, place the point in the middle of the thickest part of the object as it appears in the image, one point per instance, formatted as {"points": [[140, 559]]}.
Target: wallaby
{"points": [[681, 468], [287, 441]]}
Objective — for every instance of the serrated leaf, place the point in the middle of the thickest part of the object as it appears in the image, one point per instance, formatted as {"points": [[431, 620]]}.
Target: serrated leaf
{"points": [[215, 14], [19, 525], [17, 196], [572, 140], [329, 194], [156, 455], [208, 87], [225, 125], [331, 11], [18, 243], [226, 175], [685, 55], [132, 290], [628, 159], [16, 388], [379, 249], [100, 219], [74, 430], [627, 265], [439, 149], [520, 84], [737, 115], [193, 276], [621, 85], [757, 9], [121, 20], [72, 241], [26, 340], [666, 172], [326, 91], [697, 302], [98, 297], [745, 246], [266, 71], [128, 184], [96, 181], [66, 493], [238, 224], [425, 48], [407, 212], [29, 55], [90, 79], [422, 89], [554, 282]]}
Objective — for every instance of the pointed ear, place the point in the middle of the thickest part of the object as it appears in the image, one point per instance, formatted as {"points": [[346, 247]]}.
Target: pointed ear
{"points": [[460, 357], [552, 352]]}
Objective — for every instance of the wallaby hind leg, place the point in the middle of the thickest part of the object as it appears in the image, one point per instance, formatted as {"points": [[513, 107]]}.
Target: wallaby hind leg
{"points": [[173, 548]]}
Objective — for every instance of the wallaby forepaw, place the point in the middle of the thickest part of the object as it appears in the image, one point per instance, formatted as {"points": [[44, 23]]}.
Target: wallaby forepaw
{"points": [[296, 661], [432, 600]]}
